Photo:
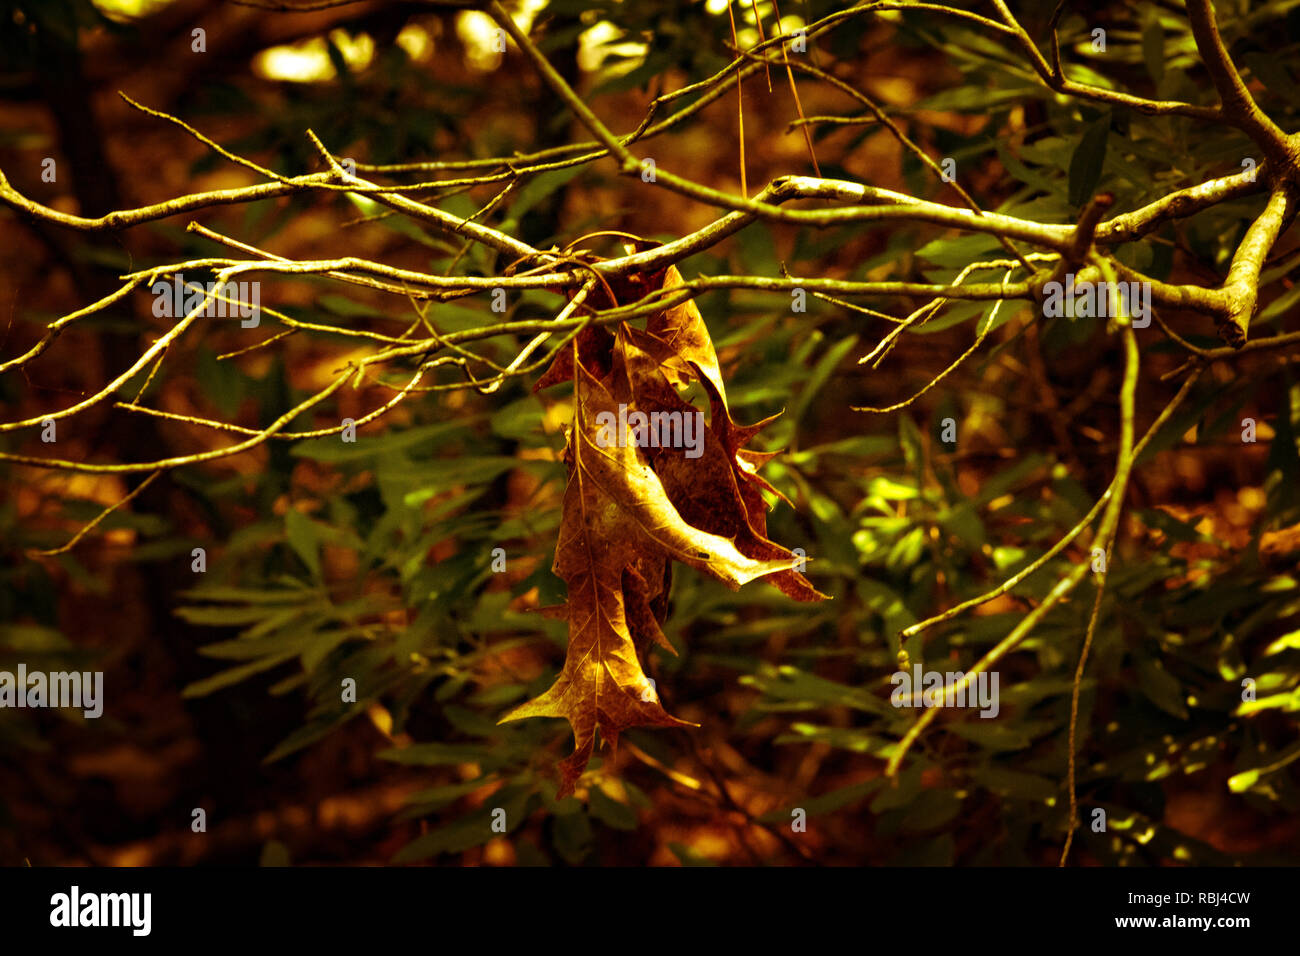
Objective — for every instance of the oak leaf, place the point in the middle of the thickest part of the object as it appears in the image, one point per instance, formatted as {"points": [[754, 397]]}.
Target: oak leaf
{"points": [[631, 508]]}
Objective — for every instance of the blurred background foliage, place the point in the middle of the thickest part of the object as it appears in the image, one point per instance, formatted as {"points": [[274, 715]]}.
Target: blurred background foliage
{"points": [[374, 561]]}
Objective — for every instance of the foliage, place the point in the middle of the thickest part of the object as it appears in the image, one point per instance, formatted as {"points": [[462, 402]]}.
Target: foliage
{"points": [[377, 561]]}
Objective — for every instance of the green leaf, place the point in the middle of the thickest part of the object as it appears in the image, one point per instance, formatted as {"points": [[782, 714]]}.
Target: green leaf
{"points": [[473, 829], [1287, 642], [1247, 779], [891, 490], [1153, 48], [610, 812], [990, 735], [1014, 783], [1161, 688], [248, 595], [790, 683], [332, 448], [341, 305], [435, 754], [222, 616], [1088, 161], [521, 420], [233, 676], [931, 810], [310, 732], [424, 802], [573, 835], [900, 794], [538, 188], [1241, 782], [820, 374], [304, 537]]}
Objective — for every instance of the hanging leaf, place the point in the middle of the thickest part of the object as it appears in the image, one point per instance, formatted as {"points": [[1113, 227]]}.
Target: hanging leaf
{"points": [[649, 483]]}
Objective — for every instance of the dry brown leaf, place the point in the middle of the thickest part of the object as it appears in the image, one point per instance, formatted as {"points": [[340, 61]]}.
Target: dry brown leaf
{"points": [[631, 509]]}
